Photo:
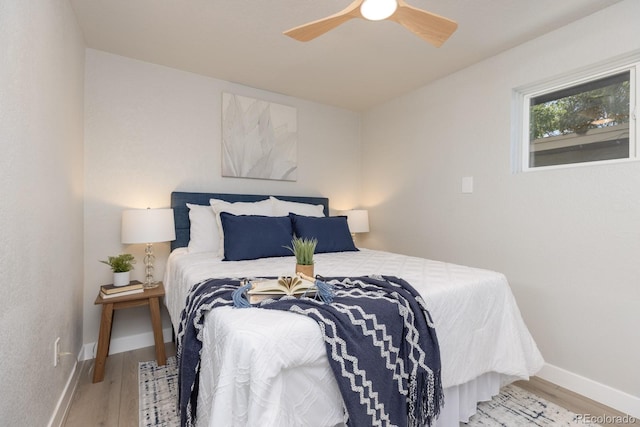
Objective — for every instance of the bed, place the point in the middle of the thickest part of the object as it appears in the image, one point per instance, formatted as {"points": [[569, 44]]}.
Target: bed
{"points": [[267, 368]]}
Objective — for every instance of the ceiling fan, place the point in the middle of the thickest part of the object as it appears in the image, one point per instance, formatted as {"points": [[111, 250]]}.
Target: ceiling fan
{"points": [[431, 27]]}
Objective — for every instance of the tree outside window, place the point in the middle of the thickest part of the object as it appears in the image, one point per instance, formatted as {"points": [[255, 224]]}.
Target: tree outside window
{"points": [[581, 123]]}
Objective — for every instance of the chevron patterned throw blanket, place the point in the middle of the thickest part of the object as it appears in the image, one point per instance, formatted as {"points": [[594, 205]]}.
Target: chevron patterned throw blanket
{"points": [[380, 341]]}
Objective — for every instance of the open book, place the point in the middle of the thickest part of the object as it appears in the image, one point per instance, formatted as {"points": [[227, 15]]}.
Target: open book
{"points": [[296, 285]]}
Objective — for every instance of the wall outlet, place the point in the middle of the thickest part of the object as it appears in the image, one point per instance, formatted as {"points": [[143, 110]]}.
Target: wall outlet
{"points": [[56, 352]]}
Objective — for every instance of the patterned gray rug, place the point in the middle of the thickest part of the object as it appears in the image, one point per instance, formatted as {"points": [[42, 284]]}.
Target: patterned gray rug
{"points": [[158, 388], [513, 407]]}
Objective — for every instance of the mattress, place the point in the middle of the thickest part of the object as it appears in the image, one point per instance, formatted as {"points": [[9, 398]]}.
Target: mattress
{"points": [[258, 365]]}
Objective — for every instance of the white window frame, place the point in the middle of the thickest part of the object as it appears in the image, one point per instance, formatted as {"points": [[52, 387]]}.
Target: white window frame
{"points": [[521, 101]]}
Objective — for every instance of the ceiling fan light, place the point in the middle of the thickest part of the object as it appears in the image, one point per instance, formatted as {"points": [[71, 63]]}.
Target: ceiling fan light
{"points": [[377, 10]]}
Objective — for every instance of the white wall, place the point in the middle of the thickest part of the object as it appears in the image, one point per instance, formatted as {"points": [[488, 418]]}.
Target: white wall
{"points": [[150, 130], [41, 216], [568, 240]]}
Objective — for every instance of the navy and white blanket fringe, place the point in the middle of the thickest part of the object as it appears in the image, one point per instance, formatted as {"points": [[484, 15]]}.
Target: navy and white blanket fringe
{"points": [[380, 339]]}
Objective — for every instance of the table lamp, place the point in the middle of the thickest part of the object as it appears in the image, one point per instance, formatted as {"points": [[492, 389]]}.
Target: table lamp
{"points": [[148, 226], [358, 221]]}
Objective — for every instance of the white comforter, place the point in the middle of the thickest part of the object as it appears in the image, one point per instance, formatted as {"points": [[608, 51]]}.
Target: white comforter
{"points": [[258, 365]]}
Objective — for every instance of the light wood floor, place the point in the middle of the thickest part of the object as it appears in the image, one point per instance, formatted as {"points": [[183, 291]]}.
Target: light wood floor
{"points": [[572, 401], [114, 402]]}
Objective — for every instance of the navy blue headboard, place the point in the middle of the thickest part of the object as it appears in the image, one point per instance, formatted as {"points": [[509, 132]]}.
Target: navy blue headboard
{"points": [[180, 199]]}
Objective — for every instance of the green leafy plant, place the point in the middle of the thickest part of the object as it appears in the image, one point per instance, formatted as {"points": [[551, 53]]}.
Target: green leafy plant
{"points": [[597, 108], [121, 263], [303, 249]]}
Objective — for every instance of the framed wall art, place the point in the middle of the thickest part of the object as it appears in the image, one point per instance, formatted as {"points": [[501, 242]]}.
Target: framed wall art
{"points": [[259, 139]]}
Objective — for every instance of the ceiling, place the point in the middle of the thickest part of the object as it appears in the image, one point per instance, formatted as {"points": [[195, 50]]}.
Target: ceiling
{"points": [[356, 66]]}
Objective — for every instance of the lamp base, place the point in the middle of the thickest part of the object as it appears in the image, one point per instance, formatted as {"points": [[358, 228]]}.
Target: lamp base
{"points": [[149, 282], [150, 285]]}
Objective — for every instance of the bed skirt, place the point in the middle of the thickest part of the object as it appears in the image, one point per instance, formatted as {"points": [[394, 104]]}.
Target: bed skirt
{"points": [[460, 401]]}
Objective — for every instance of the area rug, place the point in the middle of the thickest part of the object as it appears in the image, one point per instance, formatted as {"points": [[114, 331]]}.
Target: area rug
{"points": [[513, 407], [158, 394]]}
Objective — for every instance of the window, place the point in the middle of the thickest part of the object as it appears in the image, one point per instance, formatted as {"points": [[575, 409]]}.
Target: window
{"points": [[578, 119]]}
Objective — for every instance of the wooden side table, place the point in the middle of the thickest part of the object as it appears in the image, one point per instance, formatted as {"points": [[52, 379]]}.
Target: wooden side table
{"points": [[150, 297]]}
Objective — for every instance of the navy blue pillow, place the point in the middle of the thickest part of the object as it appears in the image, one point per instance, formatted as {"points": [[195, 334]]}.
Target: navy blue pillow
{"points": [[332, 232], [255, 236]]}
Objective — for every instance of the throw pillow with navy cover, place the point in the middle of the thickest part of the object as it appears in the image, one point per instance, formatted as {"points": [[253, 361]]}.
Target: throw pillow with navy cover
{"points": [[255, 236], [332, 232]]}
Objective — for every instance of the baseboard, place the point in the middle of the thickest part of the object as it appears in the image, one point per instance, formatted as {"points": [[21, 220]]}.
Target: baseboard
{"points": [[602, 393], [128, 343], [64, 402]]}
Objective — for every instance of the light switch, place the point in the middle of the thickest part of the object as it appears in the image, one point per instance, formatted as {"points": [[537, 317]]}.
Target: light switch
{"points": [[467, 184]]}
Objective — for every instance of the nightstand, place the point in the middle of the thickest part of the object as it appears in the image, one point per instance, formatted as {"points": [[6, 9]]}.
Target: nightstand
{"points": [[150, 297]]}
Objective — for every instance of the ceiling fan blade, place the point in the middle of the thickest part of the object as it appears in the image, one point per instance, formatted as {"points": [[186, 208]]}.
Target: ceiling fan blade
{"points": [[310, 31], [433, 28]]}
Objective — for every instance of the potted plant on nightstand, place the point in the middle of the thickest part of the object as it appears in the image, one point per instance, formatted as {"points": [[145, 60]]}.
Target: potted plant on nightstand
{"points": [[303, 250], [121, 266]]}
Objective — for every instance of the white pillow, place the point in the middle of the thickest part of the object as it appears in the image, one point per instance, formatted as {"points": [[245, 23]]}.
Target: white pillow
{"points": [[263, 207], [203, 236], [283, 208]]}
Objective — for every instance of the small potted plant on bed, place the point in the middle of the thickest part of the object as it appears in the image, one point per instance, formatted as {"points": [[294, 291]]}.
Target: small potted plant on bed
{"points": [[121, 266], [303, 250]]}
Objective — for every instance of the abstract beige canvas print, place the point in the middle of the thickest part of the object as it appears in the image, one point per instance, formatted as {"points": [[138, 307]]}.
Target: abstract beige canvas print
{"points": [[259, 139]]}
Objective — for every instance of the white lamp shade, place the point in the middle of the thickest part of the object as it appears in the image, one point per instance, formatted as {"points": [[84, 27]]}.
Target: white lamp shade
{"points": [[358, 220], [147, 226]]}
